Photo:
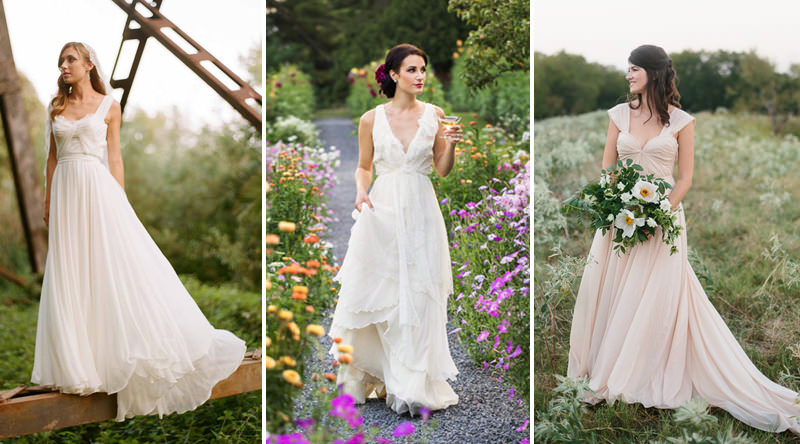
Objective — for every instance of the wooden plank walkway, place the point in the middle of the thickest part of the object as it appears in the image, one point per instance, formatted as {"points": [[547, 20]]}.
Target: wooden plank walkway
{"points": [[26, 410]]}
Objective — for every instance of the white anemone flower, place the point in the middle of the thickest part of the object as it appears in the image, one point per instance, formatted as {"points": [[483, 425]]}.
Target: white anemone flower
{"points": [[665, 205], [627, 222], [651, 222], [646, 191], [626, 197], [604, 180], [610, 218], [620, 186]]}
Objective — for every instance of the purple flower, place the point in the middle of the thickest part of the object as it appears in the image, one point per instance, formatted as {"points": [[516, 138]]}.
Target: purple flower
{"points": [[404, 429], [373, 93], [444, 201], [516, 353], [380, 74], [523, 426], [511, 395], [358, 438], [304, 423], [278, 84], [482, 337], [383, 440], [425, 413]]}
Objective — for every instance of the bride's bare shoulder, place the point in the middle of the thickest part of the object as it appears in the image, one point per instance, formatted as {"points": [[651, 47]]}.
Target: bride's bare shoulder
{"points": [[368, 118]]}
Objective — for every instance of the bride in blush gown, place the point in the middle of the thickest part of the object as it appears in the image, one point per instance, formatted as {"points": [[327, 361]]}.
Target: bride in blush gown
{"points": [[396, 275], [643, 329], [113, 315]]}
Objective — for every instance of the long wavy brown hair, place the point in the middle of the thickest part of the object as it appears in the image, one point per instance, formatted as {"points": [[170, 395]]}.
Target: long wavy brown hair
{"points": [[661, 89], [59, 102]]}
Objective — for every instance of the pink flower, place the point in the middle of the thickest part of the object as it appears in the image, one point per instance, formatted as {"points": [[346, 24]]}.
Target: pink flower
{"points": [[404, 429], [482, 337]]}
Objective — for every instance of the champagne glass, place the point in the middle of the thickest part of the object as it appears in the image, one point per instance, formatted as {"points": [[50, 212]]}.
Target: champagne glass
{"points": [[449, 121]]}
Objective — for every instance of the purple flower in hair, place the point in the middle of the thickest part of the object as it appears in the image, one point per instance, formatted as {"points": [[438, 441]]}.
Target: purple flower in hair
{"points": [[380, 74]]}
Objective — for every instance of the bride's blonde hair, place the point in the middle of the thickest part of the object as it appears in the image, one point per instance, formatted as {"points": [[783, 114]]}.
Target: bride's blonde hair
{"points": [[59, 102]]}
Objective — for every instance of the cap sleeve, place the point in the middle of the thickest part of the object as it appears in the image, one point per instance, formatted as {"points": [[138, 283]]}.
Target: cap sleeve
{"points": [[619, 115], [679, 120]]}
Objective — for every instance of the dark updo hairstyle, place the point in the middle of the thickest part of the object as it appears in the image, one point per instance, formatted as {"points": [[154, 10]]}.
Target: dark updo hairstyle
{"points": [[661, 89], [394, 59]]}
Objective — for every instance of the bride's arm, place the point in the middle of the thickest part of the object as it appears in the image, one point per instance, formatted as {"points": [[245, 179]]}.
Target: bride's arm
{"points": [[365, 152], [444, 149], [112, 139], [685, 165], [610, 151], [52, 161]]}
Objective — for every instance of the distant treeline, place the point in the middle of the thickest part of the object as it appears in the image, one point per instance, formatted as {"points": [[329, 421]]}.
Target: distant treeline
{"points": [[566, 84]]}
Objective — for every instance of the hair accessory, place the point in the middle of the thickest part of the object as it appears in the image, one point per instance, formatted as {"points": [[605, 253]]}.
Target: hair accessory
{"points": [[380, 74]]}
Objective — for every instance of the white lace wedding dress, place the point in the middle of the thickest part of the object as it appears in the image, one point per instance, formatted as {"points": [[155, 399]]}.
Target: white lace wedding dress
{"points": [[396, 279], [113, 316]]}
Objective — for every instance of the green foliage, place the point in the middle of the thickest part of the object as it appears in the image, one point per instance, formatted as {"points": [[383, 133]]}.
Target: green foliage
{"points": [[501, 41], [292, 129], [340, 34], [200, 204], [364, 95], [289, 93], [568, 84], [507, 103]]}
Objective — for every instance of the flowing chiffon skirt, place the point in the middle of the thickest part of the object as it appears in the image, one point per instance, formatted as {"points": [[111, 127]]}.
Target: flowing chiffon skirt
{"points": [[644, 331], [114, 317]]}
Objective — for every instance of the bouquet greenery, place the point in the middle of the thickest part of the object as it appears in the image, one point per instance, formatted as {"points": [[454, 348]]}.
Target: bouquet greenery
{"points": [[633, 203]]}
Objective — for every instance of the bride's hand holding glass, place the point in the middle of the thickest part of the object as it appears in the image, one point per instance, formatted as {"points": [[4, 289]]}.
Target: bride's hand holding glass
{"points": [[452, 130]]}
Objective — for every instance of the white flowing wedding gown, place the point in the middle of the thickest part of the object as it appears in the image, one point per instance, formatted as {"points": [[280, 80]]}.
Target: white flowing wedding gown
{"points": [[113, 316], [396, 279]]}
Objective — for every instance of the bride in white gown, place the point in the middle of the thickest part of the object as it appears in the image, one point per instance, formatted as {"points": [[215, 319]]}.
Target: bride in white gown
{"points": [[113, 316], [396, 275]]}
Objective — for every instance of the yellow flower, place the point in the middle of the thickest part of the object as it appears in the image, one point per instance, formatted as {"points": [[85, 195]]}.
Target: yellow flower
{"points": [[291, 376], [272, 239], [289, 361], [271, 309], [456, 55], [285, 315], [314, 329], [268, 285], [287, 227], [269, 362], [267, 342], [458, 42], [345, 348], [294, 329]]}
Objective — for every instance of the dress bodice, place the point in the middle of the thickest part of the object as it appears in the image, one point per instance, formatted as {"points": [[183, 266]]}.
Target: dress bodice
{"points": [[84, 138], [657, 156], [388, 154]]}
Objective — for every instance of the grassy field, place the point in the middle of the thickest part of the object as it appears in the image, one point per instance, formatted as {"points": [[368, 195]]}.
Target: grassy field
{"points": [[742, 224]]}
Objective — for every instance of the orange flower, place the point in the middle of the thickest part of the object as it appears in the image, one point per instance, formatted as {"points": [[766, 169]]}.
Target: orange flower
{"points": [[299, 296], [287, 227], [330, 377], [327, 267], [337, 340], [311, 239], [472, 122], [455, 55], [268, 285], [346, 359], [294, 268], [300, 289], [271, 309], [294, 329], [291, 376], [313, 263], [285, 315], [324, 389], [288, 361], [309, 272], [310, 308], [345, 348], [269, 363], [488, 125], [314, 329]]}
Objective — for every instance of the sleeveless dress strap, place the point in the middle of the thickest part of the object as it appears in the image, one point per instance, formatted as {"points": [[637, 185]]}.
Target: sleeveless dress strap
{"points": [[620, 115], [105, 105], [679, 120]]}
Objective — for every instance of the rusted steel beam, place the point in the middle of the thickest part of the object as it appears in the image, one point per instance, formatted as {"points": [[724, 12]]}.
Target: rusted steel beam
{"points": [[152, 26], [127, 35], [31, 410], [21, 153]]}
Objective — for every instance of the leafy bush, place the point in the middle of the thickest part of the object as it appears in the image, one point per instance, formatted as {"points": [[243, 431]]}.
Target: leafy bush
{"points": [[289, 93]]}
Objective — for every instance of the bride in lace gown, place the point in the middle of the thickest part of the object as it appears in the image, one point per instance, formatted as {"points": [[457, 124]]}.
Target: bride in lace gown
{"points": [[396, 275], [643, 329], [113, 316]]}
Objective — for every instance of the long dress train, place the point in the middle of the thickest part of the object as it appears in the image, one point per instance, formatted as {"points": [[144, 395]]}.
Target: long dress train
{"points": [[643, 328], [114, 317], [396, 279]]}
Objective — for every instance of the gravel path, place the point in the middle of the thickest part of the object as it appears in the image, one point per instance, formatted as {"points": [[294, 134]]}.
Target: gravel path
{"points": [[483, 414]]}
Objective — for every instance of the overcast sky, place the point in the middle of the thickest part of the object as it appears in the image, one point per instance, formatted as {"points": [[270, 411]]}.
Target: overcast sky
{"points": [[227, 29], [607, 31]]}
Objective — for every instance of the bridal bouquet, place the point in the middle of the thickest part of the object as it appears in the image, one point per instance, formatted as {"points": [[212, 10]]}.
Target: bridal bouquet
{"points": [[635, 204]]}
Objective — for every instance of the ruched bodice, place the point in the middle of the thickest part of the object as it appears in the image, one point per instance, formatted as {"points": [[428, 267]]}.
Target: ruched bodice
{"points": [[658, 155], [388, 154], [84, 138]]}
